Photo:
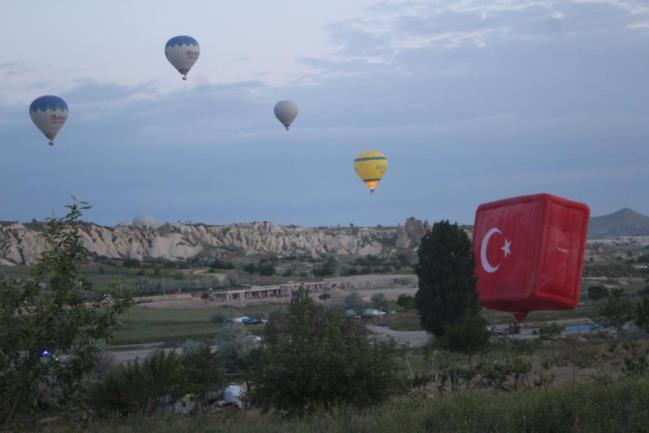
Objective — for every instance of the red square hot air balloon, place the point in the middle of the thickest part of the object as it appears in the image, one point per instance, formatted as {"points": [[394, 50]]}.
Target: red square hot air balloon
{"points": [[529, 253]]}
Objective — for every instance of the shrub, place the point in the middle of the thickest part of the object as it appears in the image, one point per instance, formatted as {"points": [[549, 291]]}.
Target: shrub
{"points": [[550, 331], [406, 301], [138, 386], [218, 318], [266, 268], [595, 293], [131, 263], [354, 301], [379, 301], [314, 357], [468, 335], [616, 310], [50, 343]]}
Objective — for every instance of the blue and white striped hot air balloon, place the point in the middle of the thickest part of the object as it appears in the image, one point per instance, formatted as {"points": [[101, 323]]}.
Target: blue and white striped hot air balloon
{"points": [[182, 52], [49, 114]]}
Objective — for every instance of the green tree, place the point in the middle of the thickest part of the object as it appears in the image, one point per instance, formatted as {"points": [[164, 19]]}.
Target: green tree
{"points": [[406, 301], [617, 310], [446, 273], [354, 301], [468, 335], [380, 301], [595, 293], [314, 357], [51, 340], [642, 314], [266, 268], [234, 344]]}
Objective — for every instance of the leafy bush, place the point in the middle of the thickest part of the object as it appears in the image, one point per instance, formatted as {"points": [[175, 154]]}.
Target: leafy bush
{"points": [[218, 318], [234, 344], [407, 302], [617, 310], [595, 293], [354, 301], [468, 335], [221, 264], [138, 387], [266, 268], [379, 301], [314, 357], [131, 263], [51, 342], [550, 331]]}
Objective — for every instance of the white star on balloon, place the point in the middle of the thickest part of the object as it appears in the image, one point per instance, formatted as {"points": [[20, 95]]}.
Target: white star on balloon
{"points": [[507, 247]]}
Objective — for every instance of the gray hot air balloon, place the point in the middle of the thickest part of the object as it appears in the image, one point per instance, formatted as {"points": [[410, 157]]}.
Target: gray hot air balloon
{"points": [[286, 112]]}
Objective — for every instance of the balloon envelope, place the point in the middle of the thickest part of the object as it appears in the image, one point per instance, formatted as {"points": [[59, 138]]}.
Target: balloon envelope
{"points": [[182, 52], [49, 114], [286, 112], [529, 253], [370, 166]]}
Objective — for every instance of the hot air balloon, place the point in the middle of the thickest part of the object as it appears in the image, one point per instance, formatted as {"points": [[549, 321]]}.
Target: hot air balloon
{"points": [[370, 167], [286, 112], [182, 52], [529, 253], [49, 114]]}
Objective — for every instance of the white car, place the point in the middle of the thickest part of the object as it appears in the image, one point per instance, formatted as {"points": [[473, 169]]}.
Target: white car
{"points": [[372, 312]]}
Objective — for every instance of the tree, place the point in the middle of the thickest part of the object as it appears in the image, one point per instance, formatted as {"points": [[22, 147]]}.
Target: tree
{"points": [[324, 297], [595, 293], [314, 357], [617, 310], [380, 301], [468, 335], [406, 301], [354, 301], [266, 268], [642, 314], [51, 340], [446, 273]]}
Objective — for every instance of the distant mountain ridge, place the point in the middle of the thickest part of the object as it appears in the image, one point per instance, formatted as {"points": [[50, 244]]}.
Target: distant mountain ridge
{"points": [[625, 222]]}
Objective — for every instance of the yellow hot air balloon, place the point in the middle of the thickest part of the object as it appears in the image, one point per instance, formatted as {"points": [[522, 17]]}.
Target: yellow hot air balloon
{"points": [[370, 167]]}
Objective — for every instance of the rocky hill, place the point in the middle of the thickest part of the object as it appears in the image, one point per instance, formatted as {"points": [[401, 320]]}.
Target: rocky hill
{"points": [[624, 222], [21, 243]]}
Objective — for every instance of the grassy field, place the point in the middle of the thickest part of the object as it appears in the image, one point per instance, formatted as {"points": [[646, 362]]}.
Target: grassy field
{"points": [[143, 325], [587, 408]]}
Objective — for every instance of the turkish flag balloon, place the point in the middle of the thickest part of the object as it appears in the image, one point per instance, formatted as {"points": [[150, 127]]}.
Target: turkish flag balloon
{"points": [[529, 253]]}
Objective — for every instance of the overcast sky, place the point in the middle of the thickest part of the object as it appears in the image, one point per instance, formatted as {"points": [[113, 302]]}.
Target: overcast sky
{"points": [[470, 100]]}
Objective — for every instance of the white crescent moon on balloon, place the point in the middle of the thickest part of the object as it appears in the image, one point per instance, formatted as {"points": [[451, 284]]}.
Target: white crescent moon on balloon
{"points": [[483, 251]]}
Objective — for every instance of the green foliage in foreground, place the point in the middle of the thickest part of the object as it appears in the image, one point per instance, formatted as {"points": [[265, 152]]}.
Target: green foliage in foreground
{"points": [[315, 357], [136, 387], [50, 341], [587, 408]]}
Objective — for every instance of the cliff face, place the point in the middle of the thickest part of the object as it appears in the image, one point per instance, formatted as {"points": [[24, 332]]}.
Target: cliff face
{"points": [[21, 244]]}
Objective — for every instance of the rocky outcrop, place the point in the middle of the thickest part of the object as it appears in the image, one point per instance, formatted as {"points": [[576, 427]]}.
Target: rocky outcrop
{"points": [[21, 244], [409, 235]]}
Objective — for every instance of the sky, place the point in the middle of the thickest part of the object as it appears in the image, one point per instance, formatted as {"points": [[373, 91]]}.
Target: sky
{"points": [[471, 101]]}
